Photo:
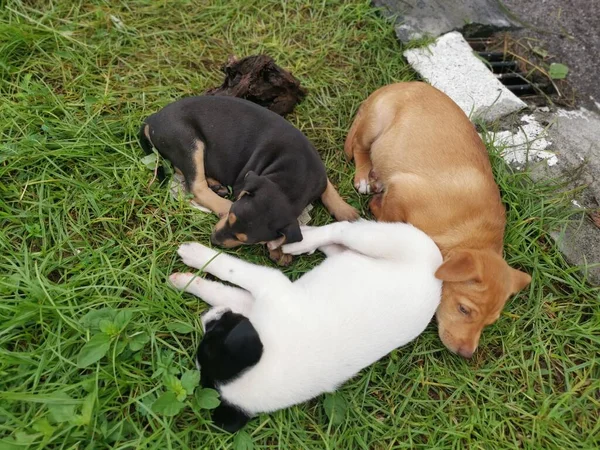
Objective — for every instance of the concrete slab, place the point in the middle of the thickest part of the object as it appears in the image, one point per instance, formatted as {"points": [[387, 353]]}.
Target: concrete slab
{"points": [[450, 65], [415, 19], [527, 143]]}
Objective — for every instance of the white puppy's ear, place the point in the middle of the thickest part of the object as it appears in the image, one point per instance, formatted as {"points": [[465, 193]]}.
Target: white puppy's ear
{"points": [[243, 344]]}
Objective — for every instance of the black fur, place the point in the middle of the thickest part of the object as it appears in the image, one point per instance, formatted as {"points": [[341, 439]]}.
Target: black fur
{"points": [[230, 346], [147, 147], [242, 138]]}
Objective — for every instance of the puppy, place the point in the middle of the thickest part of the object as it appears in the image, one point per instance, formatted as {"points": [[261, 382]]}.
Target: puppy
{"points": [[273, 168], [417, 149], [271, 343]]}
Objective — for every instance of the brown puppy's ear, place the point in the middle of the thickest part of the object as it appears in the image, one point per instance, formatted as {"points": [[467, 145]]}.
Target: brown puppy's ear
{"points": [[460, 265], [519, 280]]}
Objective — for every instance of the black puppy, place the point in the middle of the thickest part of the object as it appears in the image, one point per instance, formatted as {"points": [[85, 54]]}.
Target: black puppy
{"points": [[274, 170]]}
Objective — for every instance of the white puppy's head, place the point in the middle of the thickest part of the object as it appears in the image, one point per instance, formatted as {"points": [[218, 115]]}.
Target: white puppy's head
{"points": [[230, 346]]}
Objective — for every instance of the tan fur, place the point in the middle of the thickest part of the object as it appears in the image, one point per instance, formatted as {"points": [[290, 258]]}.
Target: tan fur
{"points": [[437, 176], [336, 205], [199, 186]]}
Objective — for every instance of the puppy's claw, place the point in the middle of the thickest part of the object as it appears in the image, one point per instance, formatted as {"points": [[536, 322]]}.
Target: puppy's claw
{"points": [[363, 186], [180, 280]]}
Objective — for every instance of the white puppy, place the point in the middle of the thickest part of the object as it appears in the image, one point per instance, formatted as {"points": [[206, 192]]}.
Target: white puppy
{"points": [[274, 343]]}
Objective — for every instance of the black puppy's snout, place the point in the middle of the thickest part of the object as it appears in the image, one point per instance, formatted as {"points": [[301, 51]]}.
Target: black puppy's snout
{"points": [[213, 239]]}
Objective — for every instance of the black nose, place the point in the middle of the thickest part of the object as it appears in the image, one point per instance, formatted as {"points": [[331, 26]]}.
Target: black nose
{"points": [[213, 239]]}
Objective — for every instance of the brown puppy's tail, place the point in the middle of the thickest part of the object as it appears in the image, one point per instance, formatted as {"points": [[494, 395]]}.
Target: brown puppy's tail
{"points": [[336, 205], [348, 145], [146, 144]]}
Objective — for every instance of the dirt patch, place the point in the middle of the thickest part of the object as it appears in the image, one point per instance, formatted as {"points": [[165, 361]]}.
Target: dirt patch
{"points": [[258, 79]]}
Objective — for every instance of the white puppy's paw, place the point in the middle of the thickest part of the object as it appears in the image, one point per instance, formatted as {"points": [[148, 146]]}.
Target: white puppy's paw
{"points": [[181, 280], [363, 186], [309, 243], [196, 255]]}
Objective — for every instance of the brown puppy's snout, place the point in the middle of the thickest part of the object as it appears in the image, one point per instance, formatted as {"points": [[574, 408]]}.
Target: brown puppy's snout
{"points": [[465, 352]]}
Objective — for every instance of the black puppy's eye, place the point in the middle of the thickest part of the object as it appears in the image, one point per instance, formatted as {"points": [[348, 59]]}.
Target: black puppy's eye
{"points": [[464, 310]]}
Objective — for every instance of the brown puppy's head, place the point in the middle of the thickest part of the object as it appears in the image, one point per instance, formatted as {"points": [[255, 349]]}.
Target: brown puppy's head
{"points": [[261, 213], [477, 285]]}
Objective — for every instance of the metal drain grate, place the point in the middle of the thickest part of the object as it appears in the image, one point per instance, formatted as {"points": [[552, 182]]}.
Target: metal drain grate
{"points": [[508, 70]]}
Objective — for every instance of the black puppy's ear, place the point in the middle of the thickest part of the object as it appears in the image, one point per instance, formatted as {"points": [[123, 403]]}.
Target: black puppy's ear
{"points": [[292, 233], [243, 344], [252, 182], [229, 418]]}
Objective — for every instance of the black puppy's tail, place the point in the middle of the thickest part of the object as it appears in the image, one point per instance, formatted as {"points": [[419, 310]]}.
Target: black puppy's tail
{"points": [[148, 150]]}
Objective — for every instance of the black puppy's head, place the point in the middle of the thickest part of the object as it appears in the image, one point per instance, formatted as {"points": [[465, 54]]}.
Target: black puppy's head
{"points": [[261, 213], [229, 346]]}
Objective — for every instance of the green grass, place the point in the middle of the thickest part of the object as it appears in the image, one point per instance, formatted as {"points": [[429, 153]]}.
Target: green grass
{"points": [[83, 231]]}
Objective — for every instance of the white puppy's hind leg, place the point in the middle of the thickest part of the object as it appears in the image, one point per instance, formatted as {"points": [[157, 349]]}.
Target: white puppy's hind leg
{"points": [[214, 293]]}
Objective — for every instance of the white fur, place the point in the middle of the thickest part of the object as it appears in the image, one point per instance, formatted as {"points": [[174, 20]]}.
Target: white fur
{"points": [[375, 292]]}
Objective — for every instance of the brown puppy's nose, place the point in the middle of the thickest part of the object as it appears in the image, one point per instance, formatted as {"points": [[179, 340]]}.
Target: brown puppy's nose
{"points": [[213, 240], [465, 352]]}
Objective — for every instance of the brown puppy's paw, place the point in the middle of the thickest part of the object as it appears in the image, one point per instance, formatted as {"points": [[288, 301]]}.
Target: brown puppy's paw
{"points": [[362, 185], [280, 258]]}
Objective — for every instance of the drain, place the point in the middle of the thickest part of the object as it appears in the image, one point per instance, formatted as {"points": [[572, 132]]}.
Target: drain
{"points": [[509, 71]]}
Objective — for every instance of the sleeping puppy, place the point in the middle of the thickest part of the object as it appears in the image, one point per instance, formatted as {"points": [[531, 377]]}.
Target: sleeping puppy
{"points": [[271, 343], [274, 170], [414, 144]]}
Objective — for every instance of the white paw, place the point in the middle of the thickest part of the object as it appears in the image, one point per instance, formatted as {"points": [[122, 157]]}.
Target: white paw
{"points": [[308, 244], [363, 186], [196, 255], [181, 280]]}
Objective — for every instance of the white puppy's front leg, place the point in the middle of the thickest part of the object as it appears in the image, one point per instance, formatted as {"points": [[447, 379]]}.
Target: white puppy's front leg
{"points": [[312, 239], [251, 277], [213, 293]]}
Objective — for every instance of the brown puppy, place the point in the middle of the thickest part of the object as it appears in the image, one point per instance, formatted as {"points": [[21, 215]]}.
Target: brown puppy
{"points": [[415, 144]]}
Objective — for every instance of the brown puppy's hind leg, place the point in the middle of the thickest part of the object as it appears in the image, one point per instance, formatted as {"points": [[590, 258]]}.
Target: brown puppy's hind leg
{"points": [[361, 136], [336, 205], [200, 189], [386, 207]]}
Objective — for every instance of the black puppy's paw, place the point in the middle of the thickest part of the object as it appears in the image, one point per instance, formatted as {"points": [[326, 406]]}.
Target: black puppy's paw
{"points": [[280, 258]]}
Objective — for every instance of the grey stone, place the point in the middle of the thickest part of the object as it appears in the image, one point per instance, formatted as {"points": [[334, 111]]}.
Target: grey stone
{"points": [[420, 18], [573, 138], [450, 65], [580, 244]]}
